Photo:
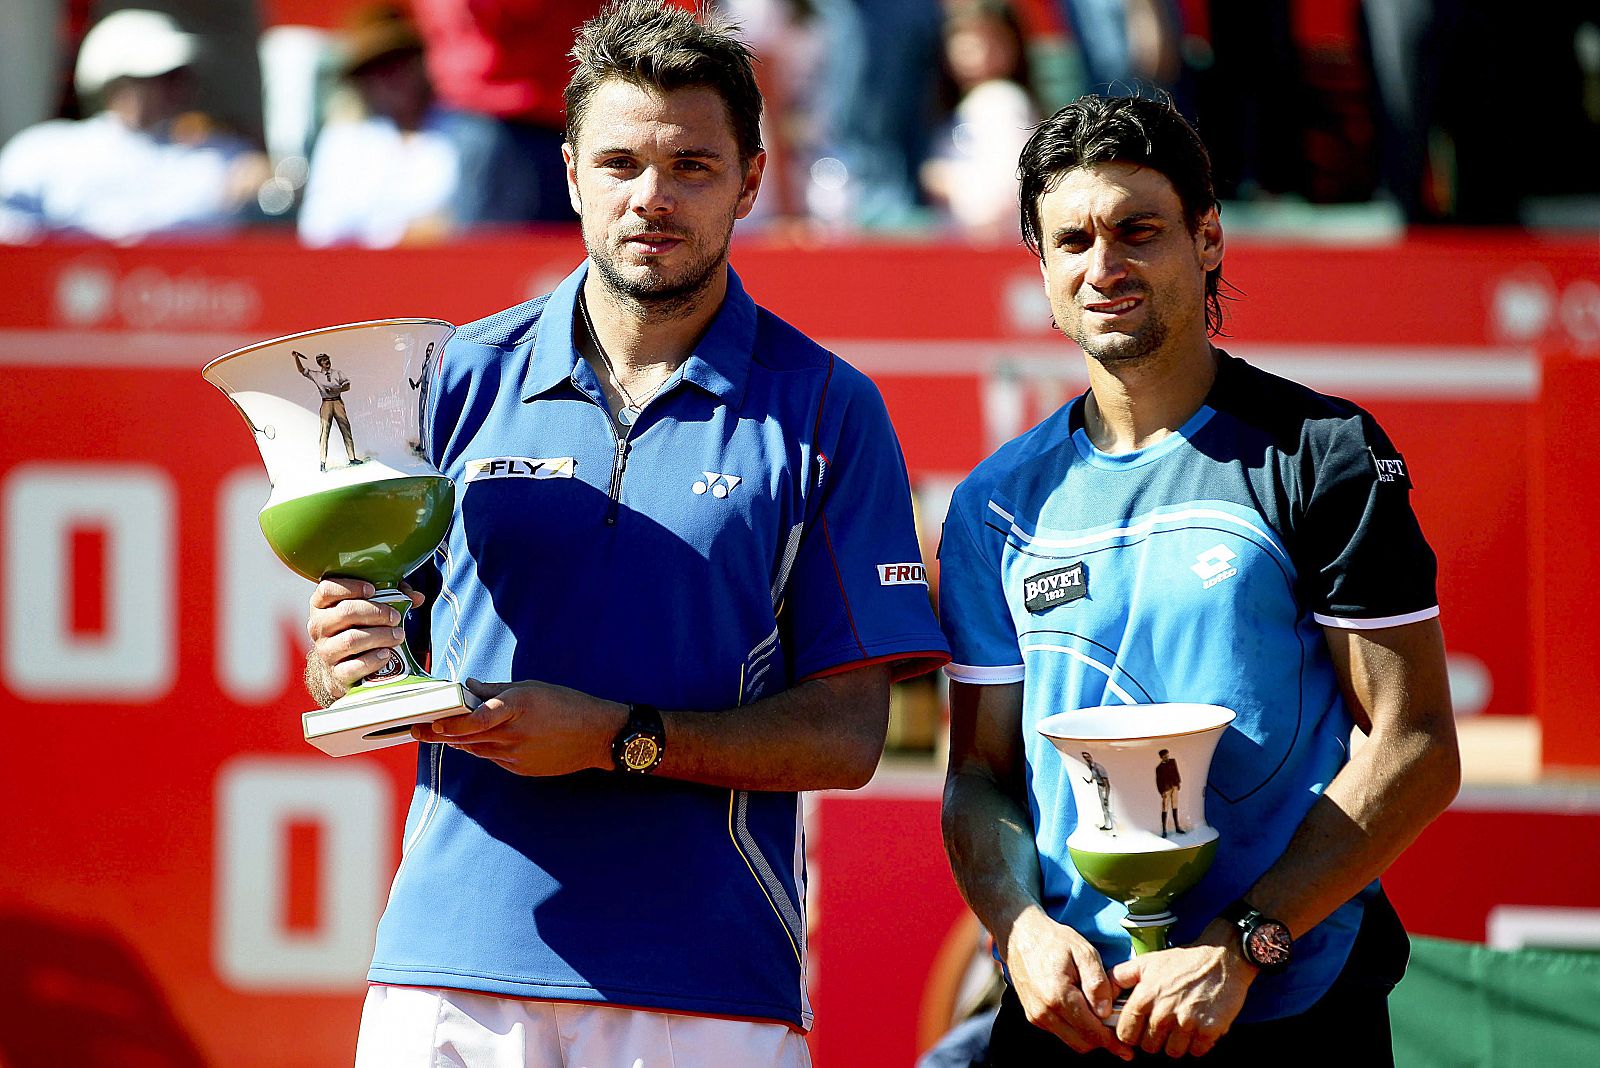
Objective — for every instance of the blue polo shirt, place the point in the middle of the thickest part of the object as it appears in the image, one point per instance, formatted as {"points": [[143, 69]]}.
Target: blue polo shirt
{"points": [[751, 530], [1202, 568]]}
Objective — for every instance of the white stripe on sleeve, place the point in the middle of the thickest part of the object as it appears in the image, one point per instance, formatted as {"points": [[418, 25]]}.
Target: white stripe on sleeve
{"points": [[985, 676], [1374, 624]]}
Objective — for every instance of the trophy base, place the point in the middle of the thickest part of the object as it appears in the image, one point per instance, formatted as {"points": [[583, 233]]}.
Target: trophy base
{"points": [[377, 717]]}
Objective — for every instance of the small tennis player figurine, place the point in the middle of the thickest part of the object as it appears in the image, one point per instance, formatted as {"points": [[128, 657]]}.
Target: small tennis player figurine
{"points": [[1167, 782], [1102, 783], [332, 385]]}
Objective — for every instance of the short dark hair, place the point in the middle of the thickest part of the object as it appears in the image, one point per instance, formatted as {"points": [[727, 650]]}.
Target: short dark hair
{"points": [[1149, 132], [653, 46]]}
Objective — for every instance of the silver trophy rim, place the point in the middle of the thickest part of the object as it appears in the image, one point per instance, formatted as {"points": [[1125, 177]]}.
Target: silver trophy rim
{"points": [[321, 331], [1052, 726]]}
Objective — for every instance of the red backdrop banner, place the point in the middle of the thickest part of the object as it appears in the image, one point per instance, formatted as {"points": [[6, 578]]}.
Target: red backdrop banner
{"points": [[186, 879]]}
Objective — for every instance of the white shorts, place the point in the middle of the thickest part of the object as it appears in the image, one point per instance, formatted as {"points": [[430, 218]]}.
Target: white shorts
{"points": [[429, 1027]]}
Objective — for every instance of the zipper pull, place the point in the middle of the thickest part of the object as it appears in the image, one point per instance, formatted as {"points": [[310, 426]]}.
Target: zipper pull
{"points": [[619, 464]]}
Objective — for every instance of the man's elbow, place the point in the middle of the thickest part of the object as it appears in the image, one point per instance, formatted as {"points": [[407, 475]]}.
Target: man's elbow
{"points": [[856, 760], [1444, 758], [859, 763], [1434, 766]]}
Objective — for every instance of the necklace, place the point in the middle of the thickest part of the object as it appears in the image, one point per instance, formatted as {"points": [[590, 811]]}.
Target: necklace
{"points": [[631, 408]]}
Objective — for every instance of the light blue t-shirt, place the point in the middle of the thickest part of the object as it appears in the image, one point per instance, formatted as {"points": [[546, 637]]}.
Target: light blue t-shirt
{"points": [[751, 530], [1200, 569]]}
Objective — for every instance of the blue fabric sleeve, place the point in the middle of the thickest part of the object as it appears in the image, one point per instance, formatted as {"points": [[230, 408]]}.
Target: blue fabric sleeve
{"points": [[858, 590], [972, 602]]}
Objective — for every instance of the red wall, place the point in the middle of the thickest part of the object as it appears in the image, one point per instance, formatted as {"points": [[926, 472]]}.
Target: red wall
{"points": [[183, 874]]}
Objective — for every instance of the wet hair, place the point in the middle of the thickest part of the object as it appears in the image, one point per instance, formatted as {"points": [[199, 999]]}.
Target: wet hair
{"points": [[1149, 132], [652, 46]]}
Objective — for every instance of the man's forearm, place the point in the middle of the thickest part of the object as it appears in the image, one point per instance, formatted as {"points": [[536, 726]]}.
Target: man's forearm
{"points": [[1397, 783], [989, 839], [1396, 684], [822, 734]]}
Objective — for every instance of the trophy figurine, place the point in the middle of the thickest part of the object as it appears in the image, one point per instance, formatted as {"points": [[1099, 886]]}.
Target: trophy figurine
{"points": [[336, 415], [1138, 781]]}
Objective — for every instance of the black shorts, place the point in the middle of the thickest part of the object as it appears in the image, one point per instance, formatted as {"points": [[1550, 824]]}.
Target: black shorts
{"points": [[1348, 1025]]}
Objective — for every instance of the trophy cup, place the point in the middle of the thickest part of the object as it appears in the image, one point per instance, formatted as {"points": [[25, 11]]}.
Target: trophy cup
{"points": [[1138, 779], [336, 415]]}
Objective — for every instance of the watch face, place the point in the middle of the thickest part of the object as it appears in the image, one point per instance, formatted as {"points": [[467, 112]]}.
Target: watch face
{"points": [[1269, 944], [640, 752]]}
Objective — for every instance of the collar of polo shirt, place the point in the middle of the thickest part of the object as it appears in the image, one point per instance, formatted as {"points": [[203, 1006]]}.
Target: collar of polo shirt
{"points": [[720, 364]]}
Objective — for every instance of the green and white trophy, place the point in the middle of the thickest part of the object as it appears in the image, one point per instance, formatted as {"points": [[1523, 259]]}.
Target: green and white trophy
{"points": [[1138, 780], [336, 415]]}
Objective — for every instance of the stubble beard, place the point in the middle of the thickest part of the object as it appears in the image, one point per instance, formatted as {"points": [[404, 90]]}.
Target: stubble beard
{"points": [[1116, 348], [1123, 350], [656, 298]]}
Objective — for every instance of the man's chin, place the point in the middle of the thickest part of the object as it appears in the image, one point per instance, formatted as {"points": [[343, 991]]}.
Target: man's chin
{"points": [[653, 284], [658, 288], [1112, 350], [1118, 348]]}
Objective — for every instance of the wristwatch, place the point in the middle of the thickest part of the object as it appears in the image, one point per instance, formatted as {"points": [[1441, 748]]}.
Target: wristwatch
{"points": [[1264, 941], [641, 743]]}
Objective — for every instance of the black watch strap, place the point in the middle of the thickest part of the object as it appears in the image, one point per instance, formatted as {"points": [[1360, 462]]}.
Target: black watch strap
{"points": [[642, 742], [1240, 912], [1264, 941]]}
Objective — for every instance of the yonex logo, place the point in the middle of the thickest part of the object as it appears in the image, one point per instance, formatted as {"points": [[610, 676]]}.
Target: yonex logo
{"points": [[1215, 564], [718, 485], [520, 467], [902, 575]]}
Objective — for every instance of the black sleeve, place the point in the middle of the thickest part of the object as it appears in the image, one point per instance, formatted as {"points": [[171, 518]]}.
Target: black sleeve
{"points": [[1363, 554]]}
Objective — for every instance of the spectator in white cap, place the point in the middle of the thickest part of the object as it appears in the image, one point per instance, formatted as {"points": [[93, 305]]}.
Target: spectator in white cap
{"points": [[144, 164]]}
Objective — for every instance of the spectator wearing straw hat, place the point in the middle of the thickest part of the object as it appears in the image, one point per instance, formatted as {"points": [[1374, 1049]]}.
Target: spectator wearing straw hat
{"points": [[145, 163], [389, 176]]}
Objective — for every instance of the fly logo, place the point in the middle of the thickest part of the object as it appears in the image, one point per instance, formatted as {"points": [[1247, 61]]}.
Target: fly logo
{"points": [[1215, 564], [902, 575], [719, 486], [519, 467]]}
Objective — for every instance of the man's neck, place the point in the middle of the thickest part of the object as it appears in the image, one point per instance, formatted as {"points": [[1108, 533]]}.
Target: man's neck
{"points": [[1135, 404], [640, 338]]}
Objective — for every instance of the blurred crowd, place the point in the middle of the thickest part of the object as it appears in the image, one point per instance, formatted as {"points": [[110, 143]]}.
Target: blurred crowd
{"points": [[394, 124]]}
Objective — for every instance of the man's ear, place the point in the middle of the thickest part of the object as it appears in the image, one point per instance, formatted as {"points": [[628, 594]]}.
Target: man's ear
{"points": [[1208, 240], [752, 184], [569, 161]]}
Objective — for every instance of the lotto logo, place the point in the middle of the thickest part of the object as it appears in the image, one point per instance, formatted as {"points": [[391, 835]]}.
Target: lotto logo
{"points": [[1214, 565], [902, 575], [718, 485]]}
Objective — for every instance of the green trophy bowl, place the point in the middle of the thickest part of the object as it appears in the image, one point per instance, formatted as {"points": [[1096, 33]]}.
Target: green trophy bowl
{"points": [[1146, 883], [1138, 775], [372, 511]]}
